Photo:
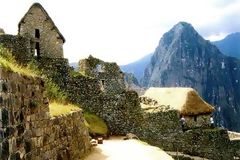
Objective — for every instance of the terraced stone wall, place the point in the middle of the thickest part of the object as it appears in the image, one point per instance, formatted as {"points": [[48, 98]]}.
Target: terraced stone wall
{"points": [[26, 129]]}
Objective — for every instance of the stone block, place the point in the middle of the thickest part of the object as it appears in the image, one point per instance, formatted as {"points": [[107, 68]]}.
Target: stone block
{"points": [[4, 150], [5, 117]]}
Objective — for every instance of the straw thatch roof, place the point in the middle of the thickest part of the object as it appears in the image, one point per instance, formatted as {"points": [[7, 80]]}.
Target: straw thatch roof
{"points": [[38, 5], [185, 100]]}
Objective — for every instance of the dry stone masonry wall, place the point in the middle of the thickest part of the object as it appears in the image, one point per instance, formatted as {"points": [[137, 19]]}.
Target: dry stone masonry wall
{"points": [[26, 129], [19, 46]]}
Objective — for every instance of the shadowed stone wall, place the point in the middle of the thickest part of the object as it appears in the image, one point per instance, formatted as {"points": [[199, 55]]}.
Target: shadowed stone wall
{"points": [[119, 108], [163, 129], [26, 129], [20, 47]]}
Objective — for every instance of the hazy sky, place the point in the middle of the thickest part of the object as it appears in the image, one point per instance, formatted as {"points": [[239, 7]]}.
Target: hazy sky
{"points": [[125, 30]]}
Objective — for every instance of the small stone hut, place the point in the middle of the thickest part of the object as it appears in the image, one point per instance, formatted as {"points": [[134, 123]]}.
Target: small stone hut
{"points": [[46, 39], [196, 111]]}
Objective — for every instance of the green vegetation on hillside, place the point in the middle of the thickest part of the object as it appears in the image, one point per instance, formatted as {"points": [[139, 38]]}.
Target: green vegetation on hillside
{"points": [[58, 99], [95, 124], [8, 62]]}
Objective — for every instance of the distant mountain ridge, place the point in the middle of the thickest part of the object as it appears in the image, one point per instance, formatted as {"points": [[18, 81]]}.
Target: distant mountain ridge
{"points": [[184, 59], [137, 67], [230, 45]]}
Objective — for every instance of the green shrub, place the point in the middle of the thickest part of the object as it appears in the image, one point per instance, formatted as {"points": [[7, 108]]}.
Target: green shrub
{"points": [[54, 92]]}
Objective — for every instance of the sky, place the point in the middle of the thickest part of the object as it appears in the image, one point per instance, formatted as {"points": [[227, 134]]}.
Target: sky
{"points": [[123, 31]]}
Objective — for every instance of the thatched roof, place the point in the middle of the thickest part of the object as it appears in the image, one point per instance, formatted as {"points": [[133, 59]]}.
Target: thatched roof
{"points": [[38, 5], [185, 100]]}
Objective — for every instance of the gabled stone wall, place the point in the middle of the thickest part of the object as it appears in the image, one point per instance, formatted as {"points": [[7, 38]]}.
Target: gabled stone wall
{"points": [[26, 128], [50, 40]]}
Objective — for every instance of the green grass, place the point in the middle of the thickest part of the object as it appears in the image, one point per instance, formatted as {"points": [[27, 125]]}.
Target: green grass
{"points": [[54, 92], [95, 124], [8, 62], [60, 109]]}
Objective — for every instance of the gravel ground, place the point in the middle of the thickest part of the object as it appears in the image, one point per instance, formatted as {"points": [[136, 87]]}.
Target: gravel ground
{"points": [[117, 149]]}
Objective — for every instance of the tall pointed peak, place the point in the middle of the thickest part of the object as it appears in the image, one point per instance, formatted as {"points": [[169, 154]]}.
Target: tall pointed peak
{"points": [[183, 26], [181, 30]]}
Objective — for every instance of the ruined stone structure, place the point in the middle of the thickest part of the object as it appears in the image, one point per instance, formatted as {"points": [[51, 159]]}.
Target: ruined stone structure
{"points": [[43, 33], [26, 129], [109, 75]]}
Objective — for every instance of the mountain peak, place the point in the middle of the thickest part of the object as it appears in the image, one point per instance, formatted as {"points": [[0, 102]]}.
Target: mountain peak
{"points": [[235, 36], [181, 30], [181, 26], [230, 45]]}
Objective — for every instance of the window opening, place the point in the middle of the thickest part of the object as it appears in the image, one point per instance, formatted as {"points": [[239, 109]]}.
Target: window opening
{"points": [[37, 49], [37, 33]]}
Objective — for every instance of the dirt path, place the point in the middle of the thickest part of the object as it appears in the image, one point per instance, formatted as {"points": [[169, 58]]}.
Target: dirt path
{"points": [[118, 149]]}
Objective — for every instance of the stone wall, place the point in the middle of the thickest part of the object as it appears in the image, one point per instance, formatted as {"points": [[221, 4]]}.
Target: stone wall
{"points": [[163, 129], [109, 75], [198, 121], [120, 109], [67, 138], [26, 130], [50, 39], [235, 144], [121, 112], [210, 143], [19, 46]]}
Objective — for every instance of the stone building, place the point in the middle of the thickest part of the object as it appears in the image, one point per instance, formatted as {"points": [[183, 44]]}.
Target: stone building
{"points": [[46, 39], [1, 31], [186, 101]]}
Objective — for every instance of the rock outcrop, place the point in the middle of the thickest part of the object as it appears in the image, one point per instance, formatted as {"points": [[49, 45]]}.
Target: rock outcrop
{"points": [[184, 59]]}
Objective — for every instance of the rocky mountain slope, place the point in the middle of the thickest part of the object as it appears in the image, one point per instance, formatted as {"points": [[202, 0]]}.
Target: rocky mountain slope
{"points": [[230, 45], [183, 58], [137, 67]]}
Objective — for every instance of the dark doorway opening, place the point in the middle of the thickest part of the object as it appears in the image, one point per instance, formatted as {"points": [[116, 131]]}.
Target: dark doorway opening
{"points": [[37, 33], [37, 49], [195, 118], [102, 82]]}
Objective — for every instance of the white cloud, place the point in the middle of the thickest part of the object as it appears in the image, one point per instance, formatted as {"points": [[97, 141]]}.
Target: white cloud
{"points": [[124, 30]]}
